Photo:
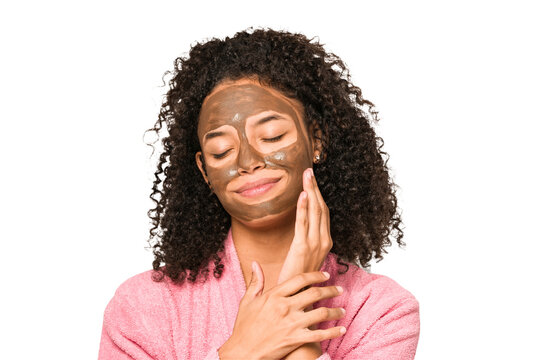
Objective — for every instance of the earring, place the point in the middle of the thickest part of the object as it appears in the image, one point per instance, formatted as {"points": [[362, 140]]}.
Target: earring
{"points": [[317, 158]]}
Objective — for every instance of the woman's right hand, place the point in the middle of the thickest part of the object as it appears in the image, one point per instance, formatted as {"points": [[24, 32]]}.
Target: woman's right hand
{"points": [[272, 324]]}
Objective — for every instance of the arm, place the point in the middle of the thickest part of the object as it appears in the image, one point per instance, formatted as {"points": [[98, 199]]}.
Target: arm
{"points": [[115, 345], [310, 246], [311, 351], [119, 344], [393, 336], [136, 324]]}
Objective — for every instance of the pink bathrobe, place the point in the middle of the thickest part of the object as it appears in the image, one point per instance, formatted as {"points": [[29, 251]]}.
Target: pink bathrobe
{"points": [[159, 320]]}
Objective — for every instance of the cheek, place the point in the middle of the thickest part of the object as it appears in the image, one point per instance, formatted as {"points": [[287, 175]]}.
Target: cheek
{"points": [[292, 157], [220, 176]]}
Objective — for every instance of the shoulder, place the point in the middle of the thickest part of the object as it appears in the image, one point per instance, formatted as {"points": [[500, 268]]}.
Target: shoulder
{"points": [[140, 306], [141, 289], [374, 298], [365, 285], [382, 289], [139, 300], [382, 317], [389, 304]]}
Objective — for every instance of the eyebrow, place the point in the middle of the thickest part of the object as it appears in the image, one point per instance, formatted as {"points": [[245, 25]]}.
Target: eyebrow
{"points": [[269, 118], [213, 134]]}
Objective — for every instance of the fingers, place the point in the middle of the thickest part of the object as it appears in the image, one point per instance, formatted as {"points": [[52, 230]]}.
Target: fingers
{"points": [[301, 223], [325, 214], [256, 284], [313, 294], [326, 334], [318, 214], [315, 211], [297, 282], [322, 314], [318, 194]]}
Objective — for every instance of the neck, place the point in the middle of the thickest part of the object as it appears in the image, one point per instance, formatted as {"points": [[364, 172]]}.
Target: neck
{"points": [[268, 244]]}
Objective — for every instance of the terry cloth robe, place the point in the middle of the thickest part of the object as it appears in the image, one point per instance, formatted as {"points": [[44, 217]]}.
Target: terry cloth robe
{"points": [[147, 320]]}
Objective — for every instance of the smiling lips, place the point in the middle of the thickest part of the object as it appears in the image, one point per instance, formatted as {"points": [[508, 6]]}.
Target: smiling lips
{"points": [[257, 187]]}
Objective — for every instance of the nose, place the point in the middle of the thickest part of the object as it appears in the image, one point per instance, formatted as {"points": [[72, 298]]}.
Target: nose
{"points": [[249, 159]]}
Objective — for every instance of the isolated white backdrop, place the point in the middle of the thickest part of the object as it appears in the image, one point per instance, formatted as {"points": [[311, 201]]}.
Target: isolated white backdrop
{"points": [[456, 87]]}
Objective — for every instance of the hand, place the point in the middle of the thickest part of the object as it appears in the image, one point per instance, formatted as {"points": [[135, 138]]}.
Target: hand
{"points": [[309, 248], [272, 324], [312, 240]]}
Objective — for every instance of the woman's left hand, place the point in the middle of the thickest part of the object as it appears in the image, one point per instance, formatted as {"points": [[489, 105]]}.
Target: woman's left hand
{"points": [[312, 240], [310, 245]]}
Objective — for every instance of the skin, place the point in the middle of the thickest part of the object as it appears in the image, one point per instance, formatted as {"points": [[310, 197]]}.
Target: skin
{"points": [[249, 131], [263, 228], [235, 110]]}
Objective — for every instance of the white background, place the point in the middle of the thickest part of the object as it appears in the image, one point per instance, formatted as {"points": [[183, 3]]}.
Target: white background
{"points": [[456, 85]]}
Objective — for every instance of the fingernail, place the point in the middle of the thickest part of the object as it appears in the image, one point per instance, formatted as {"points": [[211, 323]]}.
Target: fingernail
{"points": [[343, 330], [311, 173], [326, 275], [339, 289], [342, 310], [308, 175]]}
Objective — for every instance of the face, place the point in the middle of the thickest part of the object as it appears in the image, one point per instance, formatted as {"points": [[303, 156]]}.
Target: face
{"points": [[253, 137]]}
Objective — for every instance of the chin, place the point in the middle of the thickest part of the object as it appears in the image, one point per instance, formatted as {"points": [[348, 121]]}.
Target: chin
{"points": [[271, 221]]}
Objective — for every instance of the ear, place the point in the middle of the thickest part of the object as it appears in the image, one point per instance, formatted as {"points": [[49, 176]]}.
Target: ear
{"points": [[200, 165]]}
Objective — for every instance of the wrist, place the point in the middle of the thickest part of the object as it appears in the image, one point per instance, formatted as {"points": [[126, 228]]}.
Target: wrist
{"points": [[227, 352], [233, 351], [222, 352], [306, 351]]}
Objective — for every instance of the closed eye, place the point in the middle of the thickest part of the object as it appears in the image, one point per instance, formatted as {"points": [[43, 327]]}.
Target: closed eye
{"points": [[274, 139], [219, 156]]}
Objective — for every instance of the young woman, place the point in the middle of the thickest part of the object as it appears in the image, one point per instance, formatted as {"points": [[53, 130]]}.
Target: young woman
{"points": [[272, 180]]}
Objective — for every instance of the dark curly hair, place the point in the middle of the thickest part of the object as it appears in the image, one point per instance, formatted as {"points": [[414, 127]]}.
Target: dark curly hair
{"points": [[190, 224]]}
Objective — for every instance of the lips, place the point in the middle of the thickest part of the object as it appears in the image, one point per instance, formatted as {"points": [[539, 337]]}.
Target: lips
{"points": [[254, 184]]}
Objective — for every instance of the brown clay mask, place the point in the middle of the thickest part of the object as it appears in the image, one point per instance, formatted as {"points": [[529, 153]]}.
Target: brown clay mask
{"points": [[249, 132]]}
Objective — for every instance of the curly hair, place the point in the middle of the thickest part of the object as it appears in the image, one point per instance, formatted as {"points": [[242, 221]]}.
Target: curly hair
{"points": [[190, 224]]}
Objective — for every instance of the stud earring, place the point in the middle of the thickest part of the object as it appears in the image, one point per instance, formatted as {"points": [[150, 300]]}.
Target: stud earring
{"points": [[317, 158]]}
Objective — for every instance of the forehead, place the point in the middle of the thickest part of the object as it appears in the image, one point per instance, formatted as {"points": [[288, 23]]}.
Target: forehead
{"points": [[232, 102]]}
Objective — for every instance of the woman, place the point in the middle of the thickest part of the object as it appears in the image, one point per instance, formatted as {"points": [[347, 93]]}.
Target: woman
{"points": [[274, 173]]}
